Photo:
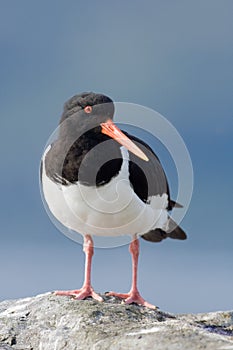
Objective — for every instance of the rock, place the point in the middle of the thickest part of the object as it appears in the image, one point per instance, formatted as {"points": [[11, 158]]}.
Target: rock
{"points": [[48, 322]]}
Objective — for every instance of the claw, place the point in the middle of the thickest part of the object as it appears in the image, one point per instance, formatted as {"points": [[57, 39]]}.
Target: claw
{"points": [[132, 297], [81, 294]]}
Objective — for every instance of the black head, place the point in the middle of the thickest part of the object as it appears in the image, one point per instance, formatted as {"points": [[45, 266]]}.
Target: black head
{"points": [[89, 104], [88, 116]]}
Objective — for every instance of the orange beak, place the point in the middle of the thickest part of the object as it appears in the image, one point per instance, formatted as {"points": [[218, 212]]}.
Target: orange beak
{"points": [[110, 129]]}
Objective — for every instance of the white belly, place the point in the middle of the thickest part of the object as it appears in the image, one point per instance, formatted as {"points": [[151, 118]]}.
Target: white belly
{"points": [[112, 209]]}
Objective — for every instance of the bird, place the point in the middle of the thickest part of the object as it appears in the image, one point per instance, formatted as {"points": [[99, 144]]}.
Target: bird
{"points": [[99, 180]]}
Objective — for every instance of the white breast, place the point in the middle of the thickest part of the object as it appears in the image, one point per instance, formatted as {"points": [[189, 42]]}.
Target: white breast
{"points": [[110, 210]]}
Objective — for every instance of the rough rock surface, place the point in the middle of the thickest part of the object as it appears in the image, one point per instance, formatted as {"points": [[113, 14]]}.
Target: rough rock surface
{"points": [[48, 322]]}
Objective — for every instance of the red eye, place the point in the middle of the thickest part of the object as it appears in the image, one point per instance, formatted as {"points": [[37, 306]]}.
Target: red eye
{"points": [[88, 109]]}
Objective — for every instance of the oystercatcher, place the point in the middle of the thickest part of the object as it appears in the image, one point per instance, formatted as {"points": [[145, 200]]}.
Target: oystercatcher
{"points": [[99, 180]]}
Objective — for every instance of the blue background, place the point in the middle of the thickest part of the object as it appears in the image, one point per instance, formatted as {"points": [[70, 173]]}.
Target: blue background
{"points": [[173, 56]]}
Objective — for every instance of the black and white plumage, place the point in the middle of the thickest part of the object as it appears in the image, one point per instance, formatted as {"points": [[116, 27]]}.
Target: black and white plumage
{"points": [[97, 182]]}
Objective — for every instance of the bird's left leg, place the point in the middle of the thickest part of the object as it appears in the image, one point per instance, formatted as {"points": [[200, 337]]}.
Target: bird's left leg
{"points": [[133, 296], [87, 289]]}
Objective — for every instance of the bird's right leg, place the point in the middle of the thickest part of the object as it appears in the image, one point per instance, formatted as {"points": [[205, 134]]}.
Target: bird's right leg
{"points": [[87, 289]]}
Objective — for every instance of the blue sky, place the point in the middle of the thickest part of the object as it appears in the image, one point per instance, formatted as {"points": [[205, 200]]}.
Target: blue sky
{"points": [[172, 56]]}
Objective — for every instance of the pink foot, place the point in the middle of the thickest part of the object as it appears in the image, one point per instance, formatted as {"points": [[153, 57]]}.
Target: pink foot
{"points": [[132, 297], [80, 294]]}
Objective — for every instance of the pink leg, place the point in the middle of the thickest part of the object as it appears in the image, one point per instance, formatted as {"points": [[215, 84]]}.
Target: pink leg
{"points": [[86, 290], [133, 296]]}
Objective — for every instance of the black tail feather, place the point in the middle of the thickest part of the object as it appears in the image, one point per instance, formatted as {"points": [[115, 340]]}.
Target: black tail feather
{"points": [[156, 235], [174, 204], [173, 231]]}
